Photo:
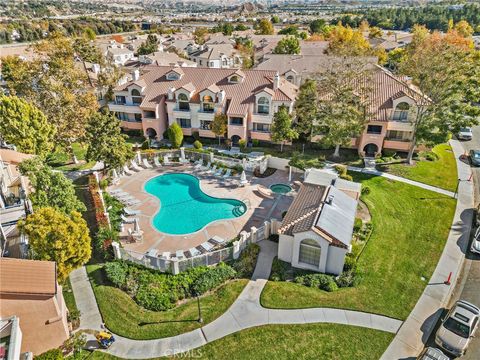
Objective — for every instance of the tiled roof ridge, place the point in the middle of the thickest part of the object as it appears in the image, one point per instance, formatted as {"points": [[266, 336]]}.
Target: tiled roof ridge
{"points": [[398, 80], [289, 225]]}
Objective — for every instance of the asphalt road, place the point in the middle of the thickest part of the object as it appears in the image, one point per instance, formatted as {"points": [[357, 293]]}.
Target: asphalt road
{"points": [[468, 284]]}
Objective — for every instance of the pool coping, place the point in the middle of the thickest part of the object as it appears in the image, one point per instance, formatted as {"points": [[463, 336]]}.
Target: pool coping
{"points": [[170, 171]]}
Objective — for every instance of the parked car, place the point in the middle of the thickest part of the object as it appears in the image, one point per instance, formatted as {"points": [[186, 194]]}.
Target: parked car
{"points": [[465, 134], [432, 354], [458, 328], [475, 248], [475, 157]]}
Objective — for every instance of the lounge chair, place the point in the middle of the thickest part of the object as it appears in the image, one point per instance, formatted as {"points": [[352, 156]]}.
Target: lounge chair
{"points": [[219, 172], [217, 240], [116, 191], [206, 168], [146, 164], [166, 161], [122, 196], [128, 220], [194, 252], [227, 174], [135, 166], [127, 171], [131, 212], [179, 254], [206, 246], [135, 235], [157, 162], [198, 164], [166, 255], [212, 170]]}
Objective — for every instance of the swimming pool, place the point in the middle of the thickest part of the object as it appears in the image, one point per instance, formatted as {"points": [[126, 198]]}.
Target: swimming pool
{"points": [[184, 207]]}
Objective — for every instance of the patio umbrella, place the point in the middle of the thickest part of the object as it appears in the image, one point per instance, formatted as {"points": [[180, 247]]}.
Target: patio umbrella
{"points": [[182, 153], [139, 157], [244, 163], [212, 159], [136, 226], [114, 174], [243, 178]]}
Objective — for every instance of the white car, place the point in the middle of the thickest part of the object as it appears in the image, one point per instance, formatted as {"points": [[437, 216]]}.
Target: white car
{"points": [[475, 248], [458, 328], [465, 134]]}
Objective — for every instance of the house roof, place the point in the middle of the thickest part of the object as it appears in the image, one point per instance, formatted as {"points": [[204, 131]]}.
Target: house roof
{"points": [[241, 94], [32, 277], [214, 51], [13, 157]]}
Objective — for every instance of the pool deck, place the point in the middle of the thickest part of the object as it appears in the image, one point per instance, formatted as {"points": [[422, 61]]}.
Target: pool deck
{"points": [[259, 208]]}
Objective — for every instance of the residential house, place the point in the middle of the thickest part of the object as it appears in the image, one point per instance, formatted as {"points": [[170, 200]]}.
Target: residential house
{"points": [[390, 40], [218, 56], [191, 96], [30, 292], [119, 54], [14, 205], [316, 232], [163, 58]]}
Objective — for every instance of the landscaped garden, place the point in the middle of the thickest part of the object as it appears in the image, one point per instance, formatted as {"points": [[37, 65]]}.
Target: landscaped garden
{"points": [[410, 227], [436, 168]]}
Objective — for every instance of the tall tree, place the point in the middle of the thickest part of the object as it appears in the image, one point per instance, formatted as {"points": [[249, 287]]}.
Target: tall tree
{"points": [[305, 108], [219, 125], [288, 45], [200, 35], [343, 95], [54, 236], [317, 25], [25, 126], [282, 130], [265, 27], [106, 143], [175, 135], [52, 188], [447, 76], [150, 45], [57, 87]]}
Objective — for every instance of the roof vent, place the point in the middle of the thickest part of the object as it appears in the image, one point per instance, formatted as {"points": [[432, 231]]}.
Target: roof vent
{"points": [[329, 200]]}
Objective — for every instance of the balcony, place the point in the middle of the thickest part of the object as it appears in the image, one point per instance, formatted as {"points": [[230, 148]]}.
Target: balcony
{"points": [[126, 107], [181, 114], [397, 144], [400, 126], [205, 116], [262, 118], [261, 135], [206, 133]]}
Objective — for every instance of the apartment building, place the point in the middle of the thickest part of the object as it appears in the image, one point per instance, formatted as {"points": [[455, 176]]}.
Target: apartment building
{"points": [[216, 56], [192, 96]]}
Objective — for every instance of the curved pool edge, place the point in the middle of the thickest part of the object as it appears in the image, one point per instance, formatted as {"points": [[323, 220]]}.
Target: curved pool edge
{"points": [[202, 189]]}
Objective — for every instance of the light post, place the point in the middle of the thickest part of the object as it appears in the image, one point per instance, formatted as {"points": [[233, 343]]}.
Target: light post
{"points": [[200, 320]]}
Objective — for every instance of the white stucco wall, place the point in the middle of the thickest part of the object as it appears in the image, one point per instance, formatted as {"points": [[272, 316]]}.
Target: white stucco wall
{"points": [[336, 260], [285, 248]]}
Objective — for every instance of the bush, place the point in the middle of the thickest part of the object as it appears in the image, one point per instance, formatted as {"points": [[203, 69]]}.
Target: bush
{"points": [[197, 145], [346, 177], [341, 170], [389, 153], [196, 135], [350, 262], [103, 241], [53, 354], [255, 142], [279, 269], [58, 158], [357, 225], [242, 143], [320, 281], [116, 272], [348, 279], [145, 145], [431, 156], [365, 190], [245, 265], [213, 278], [155, 299], [175, 135], [103, 184]]}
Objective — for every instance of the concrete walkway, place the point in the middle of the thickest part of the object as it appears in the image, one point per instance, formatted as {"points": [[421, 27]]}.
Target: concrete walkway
{"points": [[245, 312], [416, 330]]}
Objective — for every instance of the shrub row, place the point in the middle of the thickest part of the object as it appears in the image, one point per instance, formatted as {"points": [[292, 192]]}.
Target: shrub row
{"points": [[342, 172], [100, 217], [301, 162], [245, 265], [160, 291]]}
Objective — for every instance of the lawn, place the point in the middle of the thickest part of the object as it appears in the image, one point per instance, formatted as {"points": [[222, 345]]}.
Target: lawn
{"points": [[309, 341], [441, 172], [410, 227], [60, 160], [124, 317]]}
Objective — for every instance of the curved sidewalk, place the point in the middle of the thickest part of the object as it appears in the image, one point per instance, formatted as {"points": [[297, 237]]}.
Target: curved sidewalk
{"points": [[419, 325], [245, 312]]}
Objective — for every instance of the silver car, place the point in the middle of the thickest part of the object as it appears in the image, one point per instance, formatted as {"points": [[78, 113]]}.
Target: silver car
{"points": [[475, 248], [458, 328], [465, 134]]}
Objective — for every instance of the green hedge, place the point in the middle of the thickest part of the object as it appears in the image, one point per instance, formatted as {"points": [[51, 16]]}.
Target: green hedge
{"points": [[245, 265], [158, 291]]}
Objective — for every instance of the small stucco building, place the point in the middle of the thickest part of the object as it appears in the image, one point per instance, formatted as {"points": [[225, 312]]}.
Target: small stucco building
{"points": [[317, 230]]}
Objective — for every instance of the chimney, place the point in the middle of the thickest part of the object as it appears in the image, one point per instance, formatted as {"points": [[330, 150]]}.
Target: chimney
{"points": [[135, 75], [221, 96], [276, 81], [170, 93]]}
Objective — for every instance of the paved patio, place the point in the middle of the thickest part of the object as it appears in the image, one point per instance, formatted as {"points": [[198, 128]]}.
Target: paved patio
{"points": [[259, 208]]}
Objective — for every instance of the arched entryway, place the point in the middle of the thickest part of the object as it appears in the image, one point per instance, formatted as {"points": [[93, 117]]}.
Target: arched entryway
{"points": [[235, 139], [151, 133], [370, 149]]}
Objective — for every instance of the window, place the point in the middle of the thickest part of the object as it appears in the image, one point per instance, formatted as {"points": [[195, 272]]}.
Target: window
{"points": [[261, 127], [263, 106], [374, 129], [183, 103], [290, 78], [234, 79], [184, 123], [309, 252], [207, 102], [122, 116], [395, 135], [136, 97], [172, 76], [211, 64], [120, 100], [200, 62], [138, 117], [401, 112], [236, 121], [205, 125], [149, 114]]}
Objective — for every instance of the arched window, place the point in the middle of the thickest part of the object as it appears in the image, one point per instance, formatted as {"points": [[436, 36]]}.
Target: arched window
{"points": [[309, 252], [208, 105], [290, 78], [401, 112], [136, 97], [234, 79], [183, 103], [263, 106]]}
